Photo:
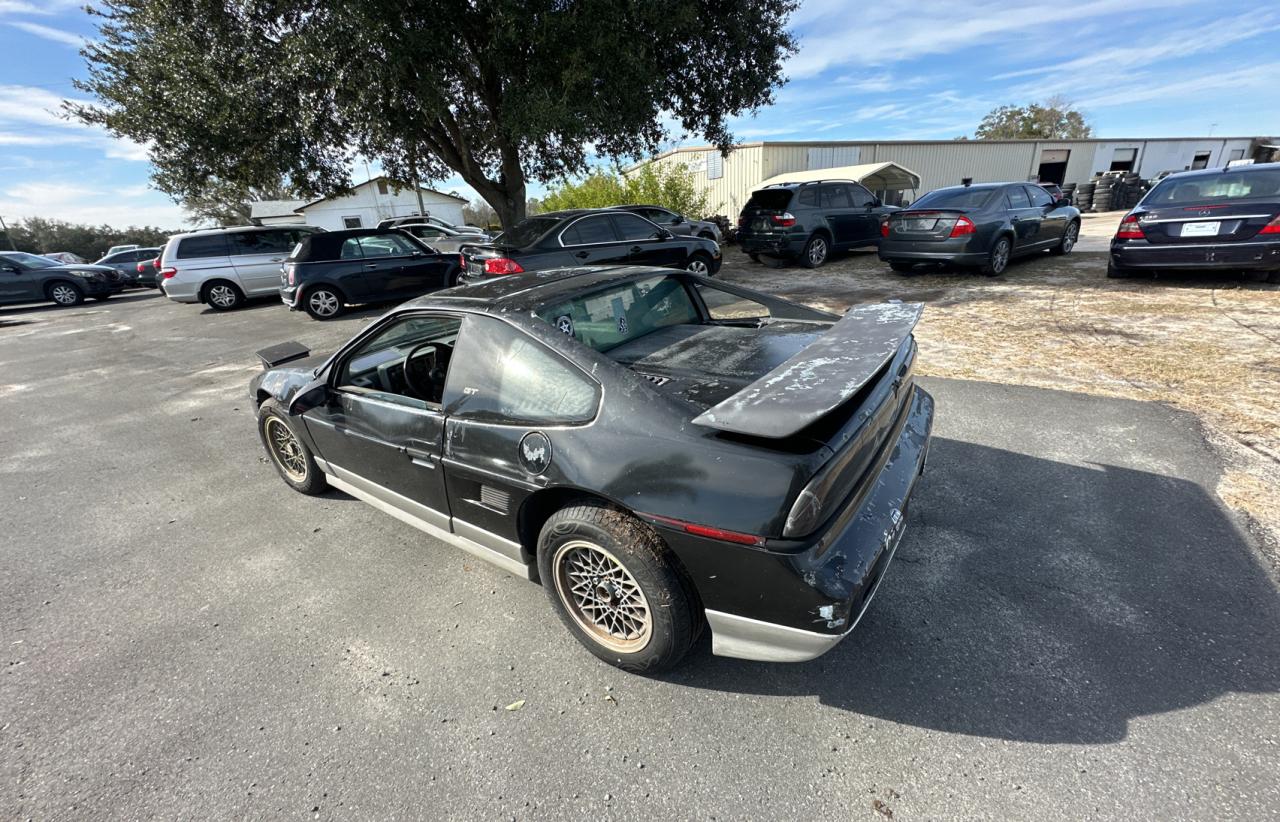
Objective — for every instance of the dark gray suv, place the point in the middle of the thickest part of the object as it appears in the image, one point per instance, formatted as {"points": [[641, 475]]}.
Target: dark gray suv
{"points": [[28, 278], [808, 221]]}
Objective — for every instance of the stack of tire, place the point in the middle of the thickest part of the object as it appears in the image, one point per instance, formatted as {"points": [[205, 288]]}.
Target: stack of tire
{"points": [[1082, 196], [1103, 189]]}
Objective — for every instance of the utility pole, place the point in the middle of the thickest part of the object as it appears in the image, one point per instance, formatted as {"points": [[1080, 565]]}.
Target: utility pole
{"points": [[7, 235]]}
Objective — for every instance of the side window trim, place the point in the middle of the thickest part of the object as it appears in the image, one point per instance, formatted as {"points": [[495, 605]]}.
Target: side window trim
{"points": [[337, 367], [560, 236]]}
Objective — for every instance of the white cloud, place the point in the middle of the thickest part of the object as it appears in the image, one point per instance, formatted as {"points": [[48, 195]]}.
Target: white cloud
{"points": [[50, 33], [32, 116], [69, 199]]}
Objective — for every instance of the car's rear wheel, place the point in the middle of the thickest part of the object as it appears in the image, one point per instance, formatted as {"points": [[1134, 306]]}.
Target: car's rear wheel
{"points": [[617, 588], [815, 251], [699, 264], [998, 257], [1069, 238], [1115, 272], [65, 294], [221, 295], [291, 457], [323, 302], [901, 267]]}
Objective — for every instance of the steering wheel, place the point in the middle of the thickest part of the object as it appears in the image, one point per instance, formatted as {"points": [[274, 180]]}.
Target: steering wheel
{"points": [[424, 376]]}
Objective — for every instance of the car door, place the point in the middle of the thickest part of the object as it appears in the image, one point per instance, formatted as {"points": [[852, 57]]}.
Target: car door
{"points": [[257, 256], [646, 244], [837, 207], [1053, 220], [512, 402], [378, 434], [392, 265], [17, 282], [1024, 219], [864, 221], [592, 240]]}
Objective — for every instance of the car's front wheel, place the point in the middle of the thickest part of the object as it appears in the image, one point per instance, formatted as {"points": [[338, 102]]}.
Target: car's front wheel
{"points": [[699, 264], [323, 303], [65, 294], [615, 585], [291, 457]]}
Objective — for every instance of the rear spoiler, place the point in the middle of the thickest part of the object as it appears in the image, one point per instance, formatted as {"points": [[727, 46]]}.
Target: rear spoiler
{"points": [[815, 381], [282, 353]]}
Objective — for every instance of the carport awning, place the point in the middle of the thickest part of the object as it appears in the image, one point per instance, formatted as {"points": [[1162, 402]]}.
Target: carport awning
{"points": [[875, 176]]}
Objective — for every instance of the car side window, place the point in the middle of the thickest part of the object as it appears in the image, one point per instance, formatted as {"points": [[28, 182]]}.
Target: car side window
{"points": [[631, 227], [598, 229], [835, 196], [1017, 197], [503, 375], [377, 368], [860, 196], [386, 245], [1039, 197], [723, 306], [211, 245], [809, 196], [351, 249]]}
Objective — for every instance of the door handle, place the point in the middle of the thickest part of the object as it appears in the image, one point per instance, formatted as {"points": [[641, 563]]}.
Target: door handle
{"points": [[582, 255], [635, 249], [370, 265], [423, 459]]}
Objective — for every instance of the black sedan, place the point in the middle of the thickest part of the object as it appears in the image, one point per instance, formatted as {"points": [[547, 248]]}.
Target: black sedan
{"points": [[661, 450], [1217, 219], [984, 225], [31, 278], [588, 237], [330, 270]]}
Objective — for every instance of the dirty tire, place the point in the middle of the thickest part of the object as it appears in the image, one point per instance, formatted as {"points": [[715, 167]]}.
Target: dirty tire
{"points": [[297, 468], [222, 295], [64, 293], [998, 257], [771, 260], [629, 553], [902, 268], [699, 263], [323, 302], [816, 251]]}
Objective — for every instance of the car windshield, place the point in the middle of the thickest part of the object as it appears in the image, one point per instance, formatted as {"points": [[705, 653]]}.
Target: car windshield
{"points": [[623, 312], [1225, 187], [527, 232], [955, 198], [32, 260]]}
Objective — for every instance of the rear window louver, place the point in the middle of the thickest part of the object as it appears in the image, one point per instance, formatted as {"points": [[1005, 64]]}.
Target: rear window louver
{"points": [[655, 379]]}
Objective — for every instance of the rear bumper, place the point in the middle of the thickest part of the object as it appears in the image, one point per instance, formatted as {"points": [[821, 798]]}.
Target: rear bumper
{"points": [[1252, 254], [180, 292], [289, 296], [770, 244], [941, 251], [834, 576]]}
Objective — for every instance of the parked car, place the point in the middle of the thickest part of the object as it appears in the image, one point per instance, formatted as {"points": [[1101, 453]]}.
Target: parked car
{"points": [[31, 278], [64, 257], [661, 450], [1055, 191], [222, 267], [441, 238], [126, 262], [1206, 220], [588, 237], [982, 225], [331, 270], [117, 248], [148, 271], [806, 222], [416, 219], [676, 223]]}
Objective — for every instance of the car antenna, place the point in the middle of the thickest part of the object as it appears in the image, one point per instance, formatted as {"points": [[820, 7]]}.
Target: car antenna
{"points": [[966, 181]]}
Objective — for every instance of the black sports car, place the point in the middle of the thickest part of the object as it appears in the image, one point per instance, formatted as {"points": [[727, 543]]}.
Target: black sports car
{"points": [[983, 225], [662, 450], [587, 237], [1212, 220]]}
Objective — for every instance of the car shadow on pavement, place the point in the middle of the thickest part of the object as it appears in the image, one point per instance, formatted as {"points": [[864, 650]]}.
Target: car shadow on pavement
{"points": [[90, 303], [1042, 601]]}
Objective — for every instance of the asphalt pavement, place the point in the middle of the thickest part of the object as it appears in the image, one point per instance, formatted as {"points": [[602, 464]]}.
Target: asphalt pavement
{"points": [[1074, 626]]}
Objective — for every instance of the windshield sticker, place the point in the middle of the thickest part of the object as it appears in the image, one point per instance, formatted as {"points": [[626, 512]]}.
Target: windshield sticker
{"points": [[565, 323], [620, 314]]}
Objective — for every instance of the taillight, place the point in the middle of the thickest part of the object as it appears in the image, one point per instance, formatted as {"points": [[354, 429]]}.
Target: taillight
{"points": [[1272, 227], [786, 219], [166, 273], [742, 221], [462, 262], [1129, 229], [884, 229], [501, 265], [141, 267], [963, 227], [708, 531], [292, 278]]}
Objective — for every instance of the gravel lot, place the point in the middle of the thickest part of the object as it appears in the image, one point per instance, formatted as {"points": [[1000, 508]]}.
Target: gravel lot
{"points": [[1075, 627]]}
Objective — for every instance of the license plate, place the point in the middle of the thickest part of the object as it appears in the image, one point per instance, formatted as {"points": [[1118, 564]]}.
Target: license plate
{"points": [[759, 225], [919, 224], [1200, 229]]}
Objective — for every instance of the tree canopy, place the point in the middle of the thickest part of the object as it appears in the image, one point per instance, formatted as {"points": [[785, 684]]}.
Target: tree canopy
{"points": [[498, 92], [1052, 119], [38, 235], [671, 188]]}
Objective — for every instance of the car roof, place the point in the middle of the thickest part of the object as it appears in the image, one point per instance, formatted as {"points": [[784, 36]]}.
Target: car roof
{"points": [[1213, 172], [239, 229]]}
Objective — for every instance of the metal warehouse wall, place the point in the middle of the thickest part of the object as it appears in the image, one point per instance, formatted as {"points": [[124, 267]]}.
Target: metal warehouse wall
{"points": [[939, 163]]}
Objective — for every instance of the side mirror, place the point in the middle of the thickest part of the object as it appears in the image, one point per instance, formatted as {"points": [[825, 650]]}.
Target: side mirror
{"points": [[876, 202], [312, 395], [676, 220], [1062, 201], [665, 235]]}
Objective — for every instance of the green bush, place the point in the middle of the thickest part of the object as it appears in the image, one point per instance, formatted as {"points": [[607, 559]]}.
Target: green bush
{"points": [[671, 188]]}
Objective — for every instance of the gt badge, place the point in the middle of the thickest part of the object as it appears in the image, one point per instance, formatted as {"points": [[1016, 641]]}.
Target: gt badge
{"points": [[535, 452]]}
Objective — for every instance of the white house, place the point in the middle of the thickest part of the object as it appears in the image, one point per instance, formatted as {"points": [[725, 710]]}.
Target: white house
{"points": [[368, 204]]}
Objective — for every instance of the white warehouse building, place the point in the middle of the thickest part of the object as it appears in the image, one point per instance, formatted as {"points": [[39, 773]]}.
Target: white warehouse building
{"points": [[729, 181], [368, 203]]}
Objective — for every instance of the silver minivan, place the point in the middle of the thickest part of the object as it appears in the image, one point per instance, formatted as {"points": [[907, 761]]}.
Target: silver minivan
{"points": [[223, 267]]}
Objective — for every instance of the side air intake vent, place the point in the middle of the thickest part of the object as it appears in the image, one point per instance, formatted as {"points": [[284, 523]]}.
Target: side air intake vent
{"points": [[494, 498], [655, 379]]}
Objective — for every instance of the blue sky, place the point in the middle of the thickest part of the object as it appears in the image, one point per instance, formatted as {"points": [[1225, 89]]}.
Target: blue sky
{"points": [[918, 70]]}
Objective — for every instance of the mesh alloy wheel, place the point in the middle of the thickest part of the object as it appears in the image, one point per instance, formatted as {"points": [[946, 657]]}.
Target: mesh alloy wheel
{"points": [[285, 449], [602, 597]]}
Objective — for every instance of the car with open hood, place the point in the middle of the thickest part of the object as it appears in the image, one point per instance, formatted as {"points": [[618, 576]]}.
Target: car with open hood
{"points": [[33, 278], [664, 452]]}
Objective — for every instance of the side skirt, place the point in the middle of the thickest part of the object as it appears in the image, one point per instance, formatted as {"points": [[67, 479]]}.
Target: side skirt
{"points": [[380, 498]]}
